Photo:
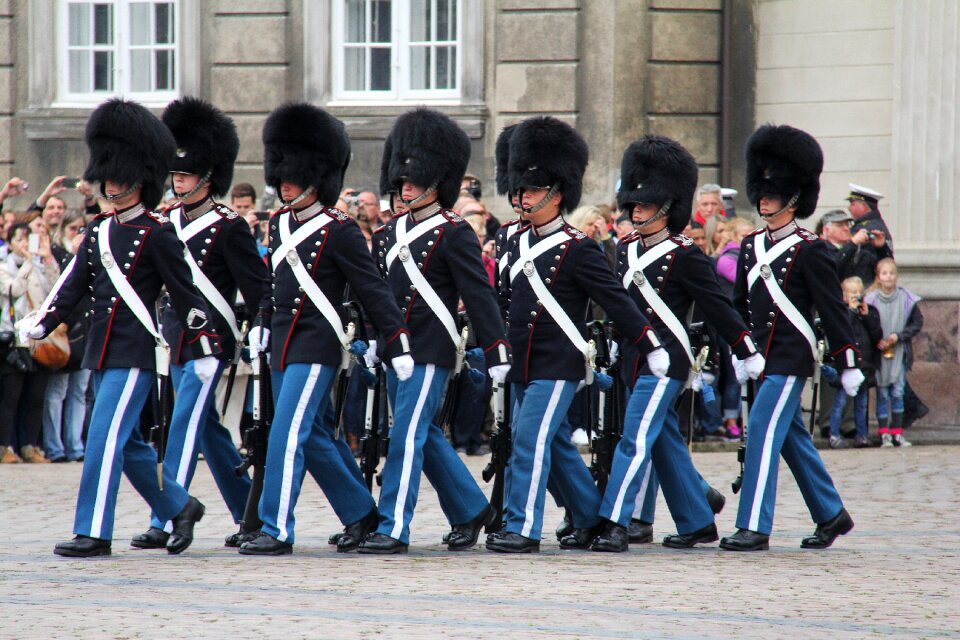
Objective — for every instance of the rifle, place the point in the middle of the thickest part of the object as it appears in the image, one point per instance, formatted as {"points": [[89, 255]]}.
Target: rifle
{"points": [[698, 332], [234, 363], [371, 440], [451, 399], [256, 438], [350, 355], [500, 449], [746, 400], [161, 399], [821, 347], [605, 438]]}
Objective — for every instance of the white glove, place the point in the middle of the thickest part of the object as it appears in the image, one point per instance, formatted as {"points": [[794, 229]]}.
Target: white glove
{"points": [[403, 366], [740, 369], [697, 383], [754, 365], [614, 352], [370, 357], [205, 368], [498, 373], [258, 338], [851, 379], [659, 362]]}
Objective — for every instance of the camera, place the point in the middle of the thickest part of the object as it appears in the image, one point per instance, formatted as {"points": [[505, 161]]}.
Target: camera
{"points": [[33, 243], [70, 183]]}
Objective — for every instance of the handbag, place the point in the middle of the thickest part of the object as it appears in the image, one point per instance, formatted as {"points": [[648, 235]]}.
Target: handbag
{"points": [[53, 351]]}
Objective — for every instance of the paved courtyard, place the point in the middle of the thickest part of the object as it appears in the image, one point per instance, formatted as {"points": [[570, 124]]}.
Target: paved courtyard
{"points": [[896, 575]]}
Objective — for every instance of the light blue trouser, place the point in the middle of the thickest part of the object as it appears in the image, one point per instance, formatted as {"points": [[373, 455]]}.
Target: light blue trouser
{"points": [[195, 426], [301, 438], [650, 488], [417, 444], [114, 444], [776, 428], [64, 408]]}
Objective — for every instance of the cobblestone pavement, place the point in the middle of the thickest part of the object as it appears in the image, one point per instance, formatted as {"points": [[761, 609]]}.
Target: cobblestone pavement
{"points": [[896, 575]]}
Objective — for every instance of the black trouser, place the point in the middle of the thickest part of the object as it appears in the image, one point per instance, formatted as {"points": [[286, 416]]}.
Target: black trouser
{"points": [[21, 399]]}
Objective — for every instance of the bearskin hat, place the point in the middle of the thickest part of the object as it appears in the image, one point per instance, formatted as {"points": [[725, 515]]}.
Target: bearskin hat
{"points": [[426, 147], [657, 170], [129, 145], [501, 155], [784, 161], [544, 152], [206, 141], [307, 146]]}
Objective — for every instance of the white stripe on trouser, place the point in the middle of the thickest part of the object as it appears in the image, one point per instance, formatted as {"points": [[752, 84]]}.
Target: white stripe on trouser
{"points": [[641, 446], [538, 458], [286, 479], [106, 463], [408, 452], [645, 484], [764, 471]]}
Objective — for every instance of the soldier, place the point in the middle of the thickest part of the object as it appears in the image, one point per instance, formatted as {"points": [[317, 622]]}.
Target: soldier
{"points": [[315, 251], [222, 255], [665, 275], [553, 271], [783, 272], [430, 258], [123, 261]]}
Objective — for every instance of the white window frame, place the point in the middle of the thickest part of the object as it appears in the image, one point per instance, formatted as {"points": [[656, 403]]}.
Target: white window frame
{"points": [[122, 49], [400, 93]]}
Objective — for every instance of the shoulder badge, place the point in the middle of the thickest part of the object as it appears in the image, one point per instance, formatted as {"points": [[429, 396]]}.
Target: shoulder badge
{"points": [[682, 240], [576, 234], [452, 216], [158, 216], [225, 211], [807, 235], [336, 214]]}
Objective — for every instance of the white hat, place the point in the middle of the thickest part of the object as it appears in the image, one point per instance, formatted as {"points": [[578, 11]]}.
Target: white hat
{"points": [[863, 193]]}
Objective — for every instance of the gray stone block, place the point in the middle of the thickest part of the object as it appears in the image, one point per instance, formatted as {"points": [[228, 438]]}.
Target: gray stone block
{"points": [[703, 5], [682, 36], [247, 89], [249, 39], [6, 7], [699, 134], [536, 87], [6, 139], [250, 129], [248, 6], [6, 89], [526, 5], [684, 88], [6, 40], [533, 36]]}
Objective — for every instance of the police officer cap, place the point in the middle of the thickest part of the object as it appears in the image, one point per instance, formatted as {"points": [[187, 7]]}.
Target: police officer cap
{"points": [[863, 193], [657, 170], [546, 152], [836, 215], [429, 149], [307, 146], [206, 141], [786, 162], [129, 145]]}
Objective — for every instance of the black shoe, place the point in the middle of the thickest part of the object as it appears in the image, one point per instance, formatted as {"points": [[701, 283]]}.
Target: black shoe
{"points": [[828, 531], [335, 538], [152, 538], [380, 544], [565, 527], [614, 538], [182, 535], [465, 536], [355, 533], [746, 540], [234, 540], [716, 500], [265, 545], [688, 540], [59, 459], [83, 547], [581, 538], [639, 531], [507, 542]]}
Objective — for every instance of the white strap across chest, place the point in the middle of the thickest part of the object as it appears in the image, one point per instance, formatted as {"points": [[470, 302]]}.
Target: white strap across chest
{"points": [[406, 237], [290, 241], [505, 258], [636, 263], [207, 288]]}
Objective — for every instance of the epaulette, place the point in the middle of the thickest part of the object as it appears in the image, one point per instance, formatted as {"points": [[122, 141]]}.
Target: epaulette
{"points": [[336, 214], [158, 216], [576, 234], [756, 231], [630, 237], [225, 211], [682, 240], [452, 216], [806, 234]]}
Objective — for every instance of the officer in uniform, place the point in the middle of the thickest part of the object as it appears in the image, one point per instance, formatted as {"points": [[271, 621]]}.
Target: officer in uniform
{"points": [[783, 272], [222, 255], [123, 261], [430, 258], [665, 274], [315, 252], [554, 270], [869, 234]]}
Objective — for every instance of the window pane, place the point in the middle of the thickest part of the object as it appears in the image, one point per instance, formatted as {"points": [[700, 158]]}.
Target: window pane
{"points": [[163, 23], [140, 24], [79, 71], [354, 69], [420, 20], [79, 25], [380, 21], [380, 69], [164, 70], [420, 67], [446, 19], [140, 70], [103, 71], [356, 21], [103, 24], [446, 68]]}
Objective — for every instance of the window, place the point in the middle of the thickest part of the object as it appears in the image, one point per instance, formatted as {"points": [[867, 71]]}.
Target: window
{"points": [[397, 50], [122, 47]]}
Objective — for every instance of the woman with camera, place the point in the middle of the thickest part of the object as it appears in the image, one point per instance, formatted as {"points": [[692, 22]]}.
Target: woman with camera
{"points": [[26, 277]]}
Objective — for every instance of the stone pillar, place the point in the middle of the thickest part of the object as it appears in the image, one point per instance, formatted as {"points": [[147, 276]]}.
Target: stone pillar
{"points": [[6, 90]]}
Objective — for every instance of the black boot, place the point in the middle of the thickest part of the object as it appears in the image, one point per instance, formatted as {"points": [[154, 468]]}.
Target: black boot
{"points": [[234, 540], [614, 538], [565, 527], [640, 532], [746, 540], [506, 542], [465, 535], [265, 545], [688, 540], [152, 538], [581, 538], [183, 524], [354, 533], [380, 544], [83, 547], [716, 500], [828, 531], [335, 538]]}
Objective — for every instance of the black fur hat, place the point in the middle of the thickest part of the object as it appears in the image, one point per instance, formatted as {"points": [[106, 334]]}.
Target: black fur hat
{"points": [[206, 141], [307, 146], [544, 152], [129, 145], [656, 170], [784, 161], [425, 147], [501, 155]]}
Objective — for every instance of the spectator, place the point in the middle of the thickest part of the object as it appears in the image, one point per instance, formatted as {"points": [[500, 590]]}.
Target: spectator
{"points": [[737, 230], [472, 185], [466, 198], [709, 204], [368, 203], [901, 320], [835, 231], [51, 204], [713, 231], [243, 200], [869, 233], [623, 226], [591, 222], [480, 228], [698, 234]]}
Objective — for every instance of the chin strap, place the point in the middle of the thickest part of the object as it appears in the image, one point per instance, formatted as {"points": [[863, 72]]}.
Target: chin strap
{"points": [[118, 196], [200, 184], [657, 216], [790, 203], [410, 204], [540, 205], [309, 190]]}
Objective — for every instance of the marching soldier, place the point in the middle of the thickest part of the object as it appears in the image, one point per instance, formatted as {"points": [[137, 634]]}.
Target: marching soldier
{"points": [[123, 261], [783, 273], [553, 271], [315, 252], [431, 259], [665, 275], [222, 256]]}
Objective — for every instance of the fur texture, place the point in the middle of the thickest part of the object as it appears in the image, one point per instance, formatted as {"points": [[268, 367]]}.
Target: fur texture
{"points": [[502, 156], [206, 140], [654, 170], [545, 151], [782, 160]]}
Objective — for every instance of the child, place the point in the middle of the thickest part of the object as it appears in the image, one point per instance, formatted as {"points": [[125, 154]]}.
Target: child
{"points": [[867, 333], [901, 320]]}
